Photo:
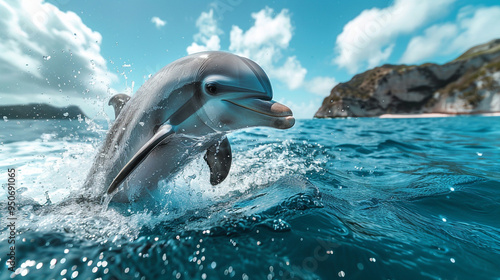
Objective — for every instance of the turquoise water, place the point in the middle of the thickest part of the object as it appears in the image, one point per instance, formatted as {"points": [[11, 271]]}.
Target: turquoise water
{"points": [[327, 199]]}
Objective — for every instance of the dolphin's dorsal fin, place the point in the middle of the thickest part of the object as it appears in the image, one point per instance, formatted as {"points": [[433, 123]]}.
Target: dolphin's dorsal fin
{"points": [[163, 132], [218, 158], [118, 101]]}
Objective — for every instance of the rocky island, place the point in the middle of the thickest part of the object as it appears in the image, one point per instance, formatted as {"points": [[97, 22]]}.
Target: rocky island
{"points": [[469, 84], [40, 111]]}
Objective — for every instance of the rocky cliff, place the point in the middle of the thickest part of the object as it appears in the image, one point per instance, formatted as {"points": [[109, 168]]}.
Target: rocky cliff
{"points": [[469, 84], [40, 111]]}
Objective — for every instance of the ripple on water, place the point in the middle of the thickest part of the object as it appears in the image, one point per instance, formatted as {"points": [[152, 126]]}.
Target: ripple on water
{"points": [[354, 198]]}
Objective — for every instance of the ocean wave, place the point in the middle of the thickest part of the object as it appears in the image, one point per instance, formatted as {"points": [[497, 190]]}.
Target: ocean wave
{"points": [[360, 198]]}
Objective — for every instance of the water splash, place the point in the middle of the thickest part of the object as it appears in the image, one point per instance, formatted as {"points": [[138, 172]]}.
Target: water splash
{"points": [[350, 201]]}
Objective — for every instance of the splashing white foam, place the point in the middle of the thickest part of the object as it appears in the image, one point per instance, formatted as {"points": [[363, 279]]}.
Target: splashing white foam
{"points": [[64, 165]]}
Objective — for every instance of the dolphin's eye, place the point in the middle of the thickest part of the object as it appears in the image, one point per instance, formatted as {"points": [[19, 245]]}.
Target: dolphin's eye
{"points": [[211, 88]]}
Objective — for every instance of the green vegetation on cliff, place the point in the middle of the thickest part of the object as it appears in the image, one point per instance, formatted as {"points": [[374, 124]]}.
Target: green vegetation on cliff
{"points": [[468, 84]]}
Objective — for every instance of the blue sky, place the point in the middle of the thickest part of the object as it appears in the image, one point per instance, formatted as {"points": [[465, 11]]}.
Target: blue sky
{"points": [[81, 52]]}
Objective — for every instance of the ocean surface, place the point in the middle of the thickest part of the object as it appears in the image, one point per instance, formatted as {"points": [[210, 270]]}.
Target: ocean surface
{"points": [[328, 199]]}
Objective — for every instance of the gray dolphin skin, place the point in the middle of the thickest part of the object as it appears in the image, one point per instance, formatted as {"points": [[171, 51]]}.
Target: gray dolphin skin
{"points": [[184, 110]]}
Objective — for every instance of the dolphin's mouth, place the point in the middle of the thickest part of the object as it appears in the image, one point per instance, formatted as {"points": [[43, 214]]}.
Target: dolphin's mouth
{"points": [[281, 115], [264, 107]]}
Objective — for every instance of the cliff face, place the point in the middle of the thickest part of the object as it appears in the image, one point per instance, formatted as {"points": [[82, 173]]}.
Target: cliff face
{"points": [[469, 84]]}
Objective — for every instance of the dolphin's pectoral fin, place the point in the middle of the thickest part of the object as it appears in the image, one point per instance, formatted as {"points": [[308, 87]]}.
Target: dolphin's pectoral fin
{"points": [[218, 158], [118, 101], [163, 132]]}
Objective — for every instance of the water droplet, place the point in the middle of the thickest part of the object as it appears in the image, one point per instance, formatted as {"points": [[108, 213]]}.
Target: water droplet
{"points": [[452, 260], [479, 154], [5, 119], [341, 273], [66, 114]]}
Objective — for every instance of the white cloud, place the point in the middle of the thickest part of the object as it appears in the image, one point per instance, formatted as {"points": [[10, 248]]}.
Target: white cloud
{"points": [[49, 56], [477, 26], [266, 31], [473, 26], [321, 85], [158, 22], [291, 73], [264, 42], [207, 39], [367, 40], [426, 46]]}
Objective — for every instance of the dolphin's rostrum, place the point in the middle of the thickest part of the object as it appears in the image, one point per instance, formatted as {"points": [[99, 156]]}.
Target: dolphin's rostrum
{"points": [[184, 109]]}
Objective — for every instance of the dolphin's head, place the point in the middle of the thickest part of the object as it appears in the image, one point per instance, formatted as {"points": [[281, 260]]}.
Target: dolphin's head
{"points": [[236, 94]]}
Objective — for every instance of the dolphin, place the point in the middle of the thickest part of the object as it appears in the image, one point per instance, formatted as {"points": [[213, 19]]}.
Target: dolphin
{"points": [[185, 109], [118, 101]]}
